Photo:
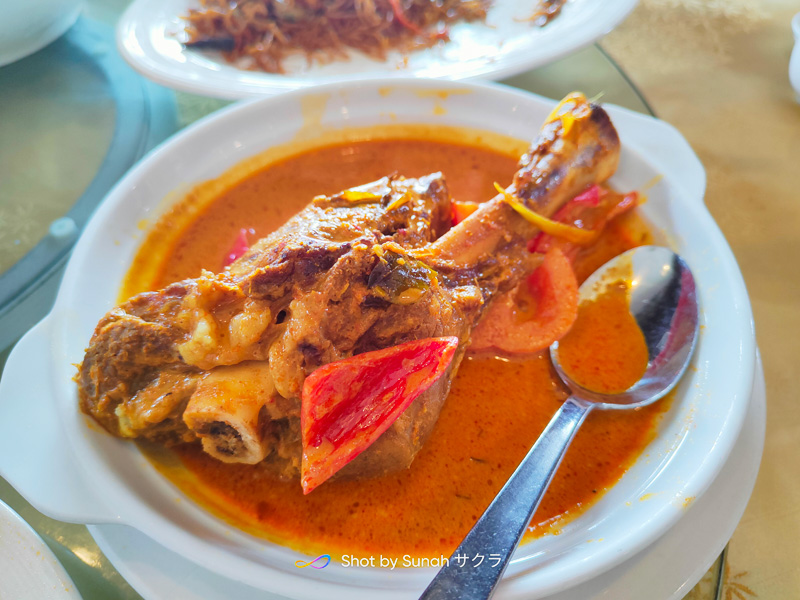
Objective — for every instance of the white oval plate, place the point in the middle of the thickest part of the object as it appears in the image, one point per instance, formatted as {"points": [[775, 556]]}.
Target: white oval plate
{"points": [[103, 479], [150, 35]]}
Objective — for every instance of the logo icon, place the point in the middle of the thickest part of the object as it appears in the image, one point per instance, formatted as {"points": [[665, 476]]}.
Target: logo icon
{"points": [[301, 564]]}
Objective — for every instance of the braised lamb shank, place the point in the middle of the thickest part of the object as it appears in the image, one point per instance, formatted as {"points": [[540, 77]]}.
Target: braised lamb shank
{"points": [[223, 357]]}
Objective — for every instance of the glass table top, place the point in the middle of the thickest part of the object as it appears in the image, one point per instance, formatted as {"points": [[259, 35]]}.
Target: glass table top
{"points": [[73, 119], [58, 112]]}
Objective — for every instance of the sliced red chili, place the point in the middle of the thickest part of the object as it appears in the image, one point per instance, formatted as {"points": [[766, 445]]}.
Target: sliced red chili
{"points": [[239, 248], [591, 196], [400, 15], [348, 404], [591, 209]]}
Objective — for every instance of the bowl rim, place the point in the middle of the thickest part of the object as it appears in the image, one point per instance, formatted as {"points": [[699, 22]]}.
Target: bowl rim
{"points": [[172, 536]]}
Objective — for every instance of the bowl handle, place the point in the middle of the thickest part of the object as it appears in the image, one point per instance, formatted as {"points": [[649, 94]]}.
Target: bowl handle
{"points": [[666, 149], [35, 457]]}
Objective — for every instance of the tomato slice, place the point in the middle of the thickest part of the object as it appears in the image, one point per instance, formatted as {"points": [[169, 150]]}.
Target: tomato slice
{"points": [[348, 404], [461, 210], [400, 15], [535, 314]]}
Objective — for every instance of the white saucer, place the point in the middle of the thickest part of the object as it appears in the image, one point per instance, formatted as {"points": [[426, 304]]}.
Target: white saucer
{"points": [[667, 570], [32, 25], [28, 568]]}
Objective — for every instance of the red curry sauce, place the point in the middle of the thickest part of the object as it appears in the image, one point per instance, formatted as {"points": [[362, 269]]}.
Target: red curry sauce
{"points": [[494, 413]]}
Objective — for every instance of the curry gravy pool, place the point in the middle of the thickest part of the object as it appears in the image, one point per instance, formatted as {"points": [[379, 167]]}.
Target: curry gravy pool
{"points": [[495, 411]]}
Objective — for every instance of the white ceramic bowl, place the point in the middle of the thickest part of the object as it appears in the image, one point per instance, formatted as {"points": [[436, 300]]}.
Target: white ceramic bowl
{"points": [[73, 471], [28, 568], [29, 25], [794, 61]]}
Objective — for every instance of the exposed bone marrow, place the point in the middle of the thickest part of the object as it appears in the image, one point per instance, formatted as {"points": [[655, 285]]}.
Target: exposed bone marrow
{"points": [[228, 412]]}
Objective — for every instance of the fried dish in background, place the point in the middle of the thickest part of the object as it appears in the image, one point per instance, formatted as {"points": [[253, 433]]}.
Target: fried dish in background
{"points": [[262, 33]]}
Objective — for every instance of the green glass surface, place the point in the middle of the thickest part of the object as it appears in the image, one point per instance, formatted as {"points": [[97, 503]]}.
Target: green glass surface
{"points": [[589, 70], [57, 119]]}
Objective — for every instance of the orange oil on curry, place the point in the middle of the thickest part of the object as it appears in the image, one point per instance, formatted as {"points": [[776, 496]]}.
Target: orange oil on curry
{"points": [[494, 413], [605, 351]]}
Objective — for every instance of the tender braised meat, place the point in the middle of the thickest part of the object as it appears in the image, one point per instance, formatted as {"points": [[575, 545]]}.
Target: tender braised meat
{"points": [[134, 350], [363, 270], [439, 289], [198, 324]]}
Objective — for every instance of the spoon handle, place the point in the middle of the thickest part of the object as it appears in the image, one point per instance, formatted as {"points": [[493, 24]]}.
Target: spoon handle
{"points": [[478, 563]]}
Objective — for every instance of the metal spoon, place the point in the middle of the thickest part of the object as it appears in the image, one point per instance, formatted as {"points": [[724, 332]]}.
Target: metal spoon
{"points": [[664, 303]]}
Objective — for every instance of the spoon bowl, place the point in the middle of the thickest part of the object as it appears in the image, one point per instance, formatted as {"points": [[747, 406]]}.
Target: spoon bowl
{"points": [[663, 301]]}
